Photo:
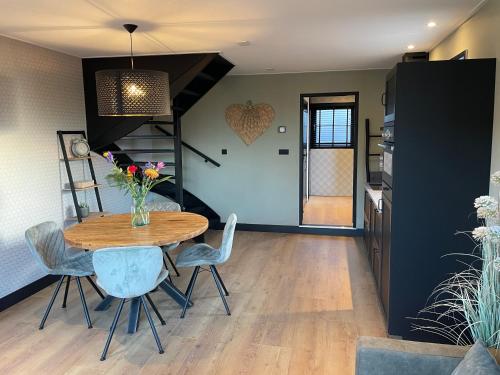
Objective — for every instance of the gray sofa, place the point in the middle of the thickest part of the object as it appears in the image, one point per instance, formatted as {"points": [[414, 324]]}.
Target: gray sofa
{"points": [[383, 356]]}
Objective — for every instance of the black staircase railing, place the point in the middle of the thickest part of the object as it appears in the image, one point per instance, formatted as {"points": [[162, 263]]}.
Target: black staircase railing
{"points": [[208, 159]]}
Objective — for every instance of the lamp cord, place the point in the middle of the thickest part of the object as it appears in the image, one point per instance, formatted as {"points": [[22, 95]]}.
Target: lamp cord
{"points": [[131, 52]]}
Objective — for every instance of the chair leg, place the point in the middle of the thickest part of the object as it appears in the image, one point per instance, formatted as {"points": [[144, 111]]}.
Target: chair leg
{"points": [[112, 329], [155, 309], [220, 280], [217, 282], [54, 295], [68, 279], [151, 323], [189, 290], [89, 279], [84, 304], [172, 263]]}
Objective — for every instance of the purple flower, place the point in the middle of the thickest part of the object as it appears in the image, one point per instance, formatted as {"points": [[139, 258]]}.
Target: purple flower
{"points": [[159, 166], [109, 156], [149, 165]]}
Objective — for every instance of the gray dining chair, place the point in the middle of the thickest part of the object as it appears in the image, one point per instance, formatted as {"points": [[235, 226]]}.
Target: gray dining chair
{"points": [[130, 272], [203, 254], [46, 243], [167, 206]]}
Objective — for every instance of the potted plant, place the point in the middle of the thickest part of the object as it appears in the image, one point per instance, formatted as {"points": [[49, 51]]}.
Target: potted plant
{"points": [[465, 308], [84, 209], [137, 182]]}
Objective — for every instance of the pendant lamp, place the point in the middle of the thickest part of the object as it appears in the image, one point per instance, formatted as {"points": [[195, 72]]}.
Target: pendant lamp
{"points": [[132, 92]]}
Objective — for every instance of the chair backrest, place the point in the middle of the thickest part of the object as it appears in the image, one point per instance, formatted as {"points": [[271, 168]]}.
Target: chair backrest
{"points": [[46, 243], [169, 206], [227, 238], [127, 272]]}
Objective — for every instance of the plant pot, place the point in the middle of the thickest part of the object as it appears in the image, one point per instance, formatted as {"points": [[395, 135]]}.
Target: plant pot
{"points": [[84, 211]]}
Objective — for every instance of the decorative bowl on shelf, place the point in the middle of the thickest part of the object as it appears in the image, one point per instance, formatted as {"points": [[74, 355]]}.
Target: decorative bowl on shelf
{"points": [[80, 147]]}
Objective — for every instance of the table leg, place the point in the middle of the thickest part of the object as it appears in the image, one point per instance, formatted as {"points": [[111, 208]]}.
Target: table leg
{"points": [[175, 293], [133, 320], [105, 303]]}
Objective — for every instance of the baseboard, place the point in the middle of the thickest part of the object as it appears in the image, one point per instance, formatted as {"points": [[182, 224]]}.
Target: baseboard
{"points": [[26, 291], [347, 232]]}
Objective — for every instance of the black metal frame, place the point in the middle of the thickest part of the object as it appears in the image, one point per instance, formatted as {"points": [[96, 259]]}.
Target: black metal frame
{"points": [[355, 150], [144, 305], [179, 186], [60, 135], [82, 298], [218, 282]]}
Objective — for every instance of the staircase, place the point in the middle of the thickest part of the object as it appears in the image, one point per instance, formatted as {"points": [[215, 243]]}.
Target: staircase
{"points": [[191, 76]]}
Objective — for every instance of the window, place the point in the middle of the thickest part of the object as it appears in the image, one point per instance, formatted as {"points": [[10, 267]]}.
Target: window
{"points": [[332, 126]]}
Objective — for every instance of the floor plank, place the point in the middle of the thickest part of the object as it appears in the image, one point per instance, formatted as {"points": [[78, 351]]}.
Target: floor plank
{"points": [[329, 211], [298, 302]]}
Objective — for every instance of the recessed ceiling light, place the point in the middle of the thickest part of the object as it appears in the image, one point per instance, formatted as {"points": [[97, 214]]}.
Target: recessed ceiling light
{"points": [[432, 24], [411, 46], [243, 43], [269, 69]]}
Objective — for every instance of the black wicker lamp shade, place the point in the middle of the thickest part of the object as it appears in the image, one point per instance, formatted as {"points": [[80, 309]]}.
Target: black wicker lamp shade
{"points": [[132, 92]]}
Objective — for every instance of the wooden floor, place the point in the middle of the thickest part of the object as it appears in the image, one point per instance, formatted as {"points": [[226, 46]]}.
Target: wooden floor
{"points": [[298, 303], [335, 211]]}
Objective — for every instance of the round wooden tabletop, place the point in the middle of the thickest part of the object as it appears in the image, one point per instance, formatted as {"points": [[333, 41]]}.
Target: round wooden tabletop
{"points": [[116, 230]]}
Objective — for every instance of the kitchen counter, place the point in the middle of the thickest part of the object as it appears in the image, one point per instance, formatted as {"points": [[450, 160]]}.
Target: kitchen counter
{"points": [[375, 193]]}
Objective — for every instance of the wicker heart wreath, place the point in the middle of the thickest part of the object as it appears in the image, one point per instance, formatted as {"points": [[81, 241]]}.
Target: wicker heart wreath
{"points": [[249, 121]]}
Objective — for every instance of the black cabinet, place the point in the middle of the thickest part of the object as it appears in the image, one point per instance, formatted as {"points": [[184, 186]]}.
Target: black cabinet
{"points": [[390, 97], [386, 254], [373, 236], [442, 116]]}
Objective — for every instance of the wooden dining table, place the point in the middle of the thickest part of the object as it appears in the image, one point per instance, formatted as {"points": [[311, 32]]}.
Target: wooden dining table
{"points": [[116, 231]]}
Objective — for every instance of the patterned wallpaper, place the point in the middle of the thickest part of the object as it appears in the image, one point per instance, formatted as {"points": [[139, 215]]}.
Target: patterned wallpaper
{"points": [[41, 92], [331, 172]]}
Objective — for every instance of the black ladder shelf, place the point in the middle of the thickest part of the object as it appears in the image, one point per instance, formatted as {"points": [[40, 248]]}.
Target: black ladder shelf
{"points": [[67, 161]]}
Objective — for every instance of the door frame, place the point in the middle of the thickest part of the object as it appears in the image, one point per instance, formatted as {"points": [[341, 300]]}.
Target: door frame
{"points": [[355, 150]]}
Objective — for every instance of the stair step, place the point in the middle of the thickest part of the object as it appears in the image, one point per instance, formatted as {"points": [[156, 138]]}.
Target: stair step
{"points": [[158, 136], [158, 122], [145, 151], [205, 76], [190, 92]]}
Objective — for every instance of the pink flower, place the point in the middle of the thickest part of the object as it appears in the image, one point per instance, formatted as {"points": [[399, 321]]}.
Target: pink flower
{"points": [[160, 165]]}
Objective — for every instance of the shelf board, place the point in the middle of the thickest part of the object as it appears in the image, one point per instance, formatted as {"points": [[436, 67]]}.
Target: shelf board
{"points": [[91, 216], [73, 159], [81, 189]]}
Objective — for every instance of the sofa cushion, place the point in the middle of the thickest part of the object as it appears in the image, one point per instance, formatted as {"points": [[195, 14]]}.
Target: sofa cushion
{"points": [[477, 361]]}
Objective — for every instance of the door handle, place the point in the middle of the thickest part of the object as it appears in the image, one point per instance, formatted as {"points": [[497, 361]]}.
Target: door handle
{"points": [[383, 99]]}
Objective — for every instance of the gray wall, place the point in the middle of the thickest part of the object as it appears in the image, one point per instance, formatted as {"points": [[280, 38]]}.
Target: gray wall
{"points": [[41, 92], [480, 36], [261, 186]]}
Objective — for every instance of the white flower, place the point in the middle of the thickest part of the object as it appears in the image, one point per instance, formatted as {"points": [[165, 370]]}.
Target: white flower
{"points": [[486, 213], [495, 178], [486, 201], [480, 233]]}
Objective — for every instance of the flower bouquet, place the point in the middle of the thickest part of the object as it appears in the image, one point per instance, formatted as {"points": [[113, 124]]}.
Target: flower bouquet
{"points": [[466, 307], [137, 182]]}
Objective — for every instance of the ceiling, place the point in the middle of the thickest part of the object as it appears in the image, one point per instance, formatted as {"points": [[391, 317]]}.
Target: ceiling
{"points": [[284, 35]]}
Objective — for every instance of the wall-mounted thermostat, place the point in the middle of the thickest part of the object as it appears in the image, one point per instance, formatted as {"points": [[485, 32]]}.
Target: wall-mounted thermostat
{"points": [[281, 129]]}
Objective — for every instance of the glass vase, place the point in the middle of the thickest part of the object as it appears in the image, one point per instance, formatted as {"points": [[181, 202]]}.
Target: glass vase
{"points": [[139, 213]]}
